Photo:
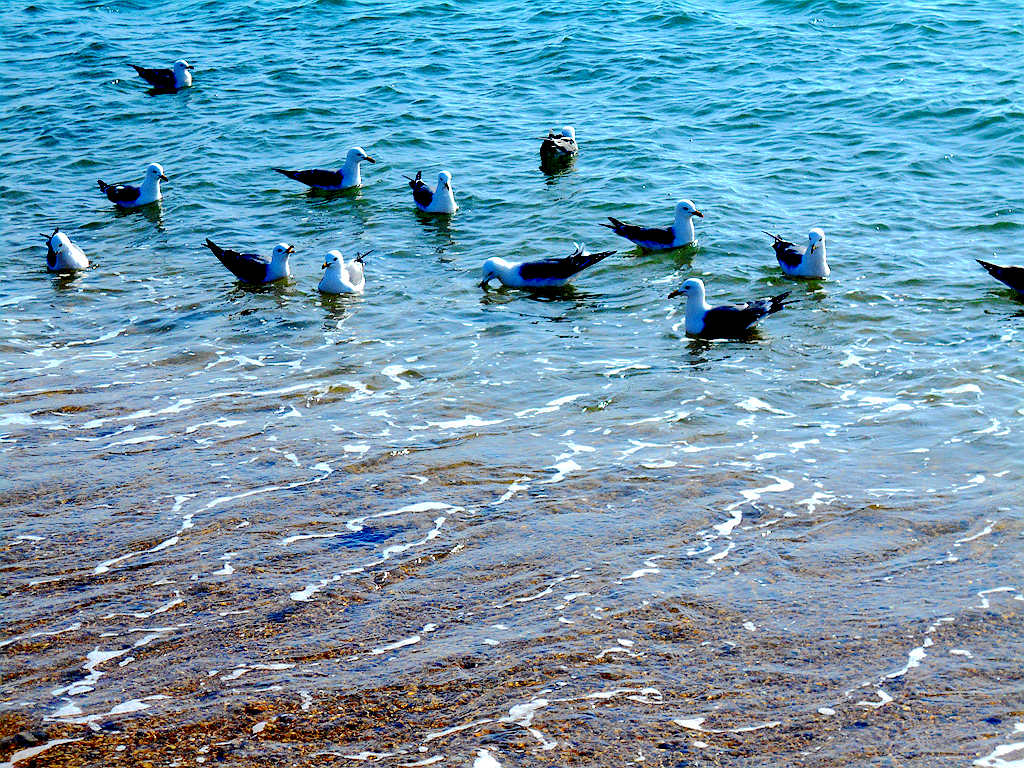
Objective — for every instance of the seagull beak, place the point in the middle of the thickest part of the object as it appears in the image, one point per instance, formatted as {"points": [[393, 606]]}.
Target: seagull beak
{"points": [[290, 249], [325, 265], [447, 186], [483, 283], [189, 66], [674, 294], [163, 178], [698, 213], [369, 159]]}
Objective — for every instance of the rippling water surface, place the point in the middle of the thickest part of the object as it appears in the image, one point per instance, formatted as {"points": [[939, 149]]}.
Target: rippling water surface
{"points": [[265, 527]]}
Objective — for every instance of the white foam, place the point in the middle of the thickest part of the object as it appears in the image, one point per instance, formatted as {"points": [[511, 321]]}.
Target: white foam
{"points": [[395, 646], [995, 758], [25, 754]]}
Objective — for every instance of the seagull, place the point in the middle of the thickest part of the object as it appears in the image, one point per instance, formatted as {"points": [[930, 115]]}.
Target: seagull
{"points": [[558, 147], [1011, 276], [654, 239], [169, 80], [484, 759], [727, 321], [340, 277], [62, 255], [546, 273], [346, 177], [253, 268], [810, 263], [438, 200], [128, 196]]}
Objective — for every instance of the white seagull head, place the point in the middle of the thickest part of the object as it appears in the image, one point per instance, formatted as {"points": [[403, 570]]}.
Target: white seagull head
{"points": [[816, 238], [281, 251], [693, 288], [333, 261], [569, 132], [357, 155], [444, 179], [155, 171], [181, 66], [489, 271], [685, 209]]}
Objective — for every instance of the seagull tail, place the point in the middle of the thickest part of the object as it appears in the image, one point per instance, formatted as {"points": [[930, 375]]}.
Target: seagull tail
{"points": [[283, 172], [615, 226], [992, 269], [138, 69], [359, 257], [103, 186], [217, 250], [780, 301]]}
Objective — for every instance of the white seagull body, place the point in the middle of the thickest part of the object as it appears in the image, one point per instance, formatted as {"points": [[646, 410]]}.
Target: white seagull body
{"points": [[811, 263], [346, 177], [680, 234], [253, 268], [177, 77], [129, 196], [62, 255], [441, 199], [546, 273], [340, 277], [727, 321]]}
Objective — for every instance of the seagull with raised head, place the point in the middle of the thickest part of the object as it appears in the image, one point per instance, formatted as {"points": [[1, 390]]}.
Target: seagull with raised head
{"points": [[726, 321], [680, 234], [252, 267], [130, 196], [545, 273], [559, 147], [441, 199], [62, 255], [1010, 276], [808, 263], [167, 80], [346, 177], [340, 277]]}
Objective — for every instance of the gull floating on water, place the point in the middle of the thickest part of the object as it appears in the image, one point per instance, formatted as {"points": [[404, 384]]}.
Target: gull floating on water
{"points": [[809, 263], [346, 177], [62, 255], [727, 321], [129, 196], [559, 147], [252, 267], [654, 239], [546, 273], [1011, 276], [340, 277], [438, 200], [484, 759], [178, 76]]}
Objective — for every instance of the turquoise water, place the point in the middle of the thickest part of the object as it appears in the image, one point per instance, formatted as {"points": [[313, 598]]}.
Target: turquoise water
{"points": [[552, 519]]}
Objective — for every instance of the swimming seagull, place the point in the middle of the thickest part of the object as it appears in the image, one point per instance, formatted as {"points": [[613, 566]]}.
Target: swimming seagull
{"points": [[62, 255], [340, 277], [438, 200], [810, 263], [253, 268], [546, 273], [654, 239], [727, 321], [559, 147], [178, 76], [346, 177], [1011, 276], [128, 196]]}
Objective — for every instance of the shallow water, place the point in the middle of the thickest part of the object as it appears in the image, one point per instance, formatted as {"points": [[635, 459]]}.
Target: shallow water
{"points": [[262, 526]]}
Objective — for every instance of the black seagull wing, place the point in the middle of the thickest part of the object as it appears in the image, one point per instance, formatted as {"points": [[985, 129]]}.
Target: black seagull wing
{"points": [[51, 255], [162, 79], [640, 235], [315, 178], [786, 252], [247, 267], [421, 193], [735, 320], [560, 268], [1011, 276], [119, 193]]}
